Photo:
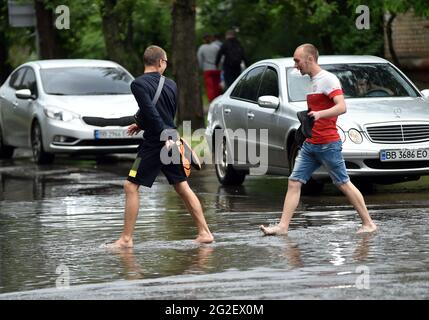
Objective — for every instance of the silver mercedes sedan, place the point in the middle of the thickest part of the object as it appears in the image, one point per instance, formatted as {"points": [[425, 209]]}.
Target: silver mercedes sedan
{"points": [[385, 131], [67, 106]]}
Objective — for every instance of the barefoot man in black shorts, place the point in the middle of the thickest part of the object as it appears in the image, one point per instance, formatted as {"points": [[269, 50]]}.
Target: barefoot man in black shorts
{"points": [[156, 118]]}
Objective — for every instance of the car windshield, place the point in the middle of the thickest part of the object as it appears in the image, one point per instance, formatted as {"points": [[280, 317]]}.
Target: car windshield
{"points": [[358, 81], [82, 81]]}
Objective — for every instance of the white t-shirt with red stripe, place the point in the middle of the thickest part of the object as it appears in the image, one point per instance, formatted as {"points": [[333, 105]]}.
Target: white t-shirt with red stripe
{"points": [[324, 87]]}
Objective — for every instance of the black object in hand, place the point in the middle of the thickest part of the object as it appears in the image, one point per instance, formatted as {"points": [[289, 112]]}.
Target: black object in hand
{"points": [[305, 129]]}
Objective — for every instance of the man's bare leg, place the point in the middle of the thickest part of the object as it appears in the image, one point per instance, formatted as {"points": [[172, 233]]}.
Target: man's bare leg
{"points": [[132, 203], [291, 203], [194, 207], [356, 199]]}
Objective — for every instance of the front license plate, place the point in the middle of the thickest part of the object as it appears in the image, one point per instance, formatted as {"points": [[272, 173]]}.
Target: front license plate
{"points": [[404, 155], [111, 134]]}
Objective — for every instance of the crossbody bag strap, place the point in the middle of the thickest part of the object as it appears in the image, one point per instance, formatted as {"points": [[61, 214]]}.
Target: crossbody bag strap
{"points": [[134, 119], [158, 90]]}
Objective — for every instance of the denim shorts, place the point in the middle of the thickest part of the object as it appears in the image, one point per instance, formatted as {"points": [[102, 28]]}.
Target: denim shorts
{"points": [[312, 156]]}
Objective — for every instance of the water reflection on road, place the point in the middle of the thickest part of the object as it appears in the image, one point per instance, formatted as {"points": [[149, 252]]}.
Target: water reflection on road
{"points": [[59, 215]]}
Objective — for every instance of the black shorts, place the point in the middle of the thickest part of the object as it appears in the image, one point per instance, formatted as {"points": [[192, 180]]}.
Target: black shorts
{"points": [[148, 164]]}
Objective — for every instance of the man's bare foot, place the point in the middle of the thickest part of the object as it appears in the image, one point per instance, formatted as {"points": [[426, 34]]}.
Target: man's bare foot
{"points": [[367, 228], [273, 231], [120, 244], [204, 238]]}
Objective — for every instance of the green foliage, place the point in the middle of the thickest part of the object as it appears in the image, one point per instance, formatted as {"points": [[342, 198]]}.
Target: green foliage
{"points": [[19, 42], [266, 28], [258, 24], [150, 22], [420, 7], [138, 24], [274, 28], [321, 11], [84, 39]]}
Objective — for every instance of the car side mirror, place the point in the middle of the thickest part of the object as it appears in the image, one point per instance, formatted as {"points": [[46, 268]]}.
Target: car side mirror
{"points": [[269, 102], [425, 93], [24, 94]]}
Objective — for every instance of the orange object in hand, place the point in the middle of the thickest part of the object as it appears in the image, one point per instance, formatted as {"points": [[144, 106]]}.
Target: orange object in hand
{"points": [[188, 156], [185, 162]]}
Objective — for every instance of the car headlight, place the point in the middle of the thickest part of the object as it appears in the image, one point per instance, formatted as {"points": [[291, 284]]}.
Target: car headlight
{"points": [[58, 114], [355, 136]]}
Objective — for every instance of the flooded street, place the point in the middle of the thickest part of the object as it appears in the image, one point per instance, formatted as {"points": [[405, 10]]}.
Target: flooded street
{"points": [[53, 220]]}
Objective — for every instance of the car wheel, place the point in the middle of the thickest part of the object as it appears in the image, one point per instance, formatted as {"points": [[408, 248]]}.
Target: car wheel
{"points": [[226, 174], [39, 154], [6, 152], [312, 187]]}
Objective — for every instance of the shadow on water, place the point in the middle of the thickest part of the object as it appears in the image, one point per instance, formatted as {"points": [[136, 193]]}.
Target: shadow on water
{"points": [[59, 215]]}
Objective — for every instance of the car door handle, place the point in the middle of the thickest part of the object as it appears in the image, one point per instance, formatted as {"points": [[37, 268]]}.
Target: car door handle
{"points": [[250, 115], [227, 111], [15, 103], [2, 96]]}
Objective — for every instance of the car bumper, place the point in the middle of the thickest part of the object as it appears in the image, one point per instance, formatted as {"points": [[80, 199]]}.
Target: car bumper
{"points": [[77, 137], [365, 162]]}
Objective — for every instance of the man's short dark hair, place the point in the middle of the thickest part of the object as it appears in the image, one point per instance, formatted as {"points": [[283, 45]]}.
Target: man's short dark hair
{"points": [[310, 50], [152, 55]]}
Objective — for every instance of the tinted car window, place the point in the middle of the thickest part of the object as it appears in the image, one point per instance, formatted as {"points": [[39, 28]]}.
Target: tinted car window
{"points": [[357, 80], [269, 83], [236, 91], [371, 80], [16, 78], [250, 86], [29, 81], [85, 81]]}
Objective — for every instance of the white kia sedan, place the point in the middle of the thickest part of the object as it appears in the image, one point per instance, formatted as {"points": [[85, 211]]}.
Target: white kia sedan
{"points": [[67, 106], [385, 131]]}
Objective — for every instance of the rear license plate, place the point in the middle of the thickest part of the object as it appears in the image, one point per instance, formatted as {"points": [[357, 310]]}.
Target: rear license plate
{"points": [[111, 134], [404, 155]]}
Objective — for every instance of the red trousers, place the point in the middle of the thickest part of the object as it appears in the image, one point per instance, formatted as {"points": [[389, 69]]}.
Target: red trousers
{"points": [[212, 83]]}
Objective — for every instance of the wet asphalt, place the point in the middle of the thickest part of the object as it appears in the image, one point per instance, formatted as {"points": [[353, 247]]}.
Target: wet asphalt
{"points": [[54, 218]]}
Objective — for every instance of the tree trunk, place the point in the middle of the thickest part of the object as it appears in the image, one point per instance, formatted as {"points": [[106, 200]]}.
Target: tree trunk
{"points": [[327, 45], [184, 63], [118, 35], [46, 31], [389, 34], [110, 30], [5, 68]]}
